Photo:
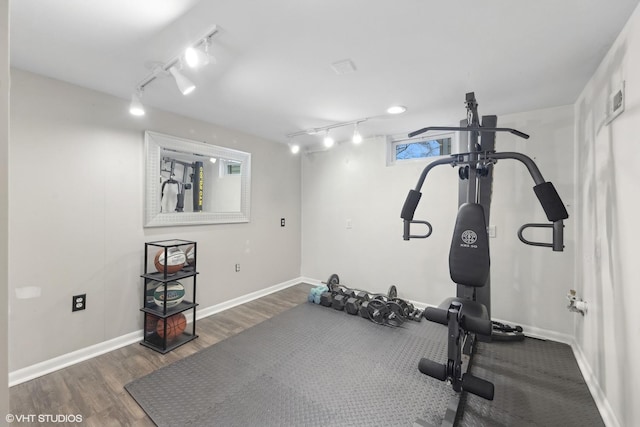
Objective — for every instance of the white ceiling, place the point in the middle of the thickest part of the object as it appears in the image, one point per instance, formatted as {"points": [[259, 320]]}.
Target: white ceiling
{"points": [[274, 75]]}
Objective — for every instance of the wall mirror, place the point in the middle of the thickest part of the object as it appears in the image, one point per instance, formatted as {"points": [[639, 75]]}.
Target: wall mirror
{"points": [[190, 182]]}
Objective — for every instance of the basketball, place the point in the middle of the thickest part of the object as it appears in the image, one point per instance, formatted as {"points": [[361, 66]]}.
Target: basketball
{"points": [[176, 325], [174, 262], [151, 289], [190, 254], [175, 294], [151, 324]]}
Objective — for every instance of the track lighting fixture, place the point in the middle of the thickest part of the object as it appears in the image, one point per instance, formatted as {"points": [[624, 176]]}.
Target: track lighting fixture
{"points": [[328, 139], [185, 85], [136, 108], [356, 138], [197, 54]]}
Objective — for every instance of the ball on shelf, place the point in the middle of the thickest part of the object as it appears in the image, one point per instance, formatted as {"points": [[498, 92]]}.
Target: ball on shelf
{"points": [[150, 290], [176, 325], [190, 254], [174, 262], [175, 294], [151, 324]]}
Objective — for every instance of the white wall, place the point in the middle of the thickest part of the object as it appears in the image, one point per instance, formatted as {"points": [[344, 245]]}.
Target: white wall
{"points": [[4, 201], [352, 183], [75, 209], [529, 284], [607, 206]]}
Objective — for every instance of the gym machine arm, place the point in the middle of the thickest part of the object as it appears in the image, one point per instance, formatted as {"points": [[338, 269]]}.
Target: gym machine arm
{"points": [[545, 191], [469, 129]]}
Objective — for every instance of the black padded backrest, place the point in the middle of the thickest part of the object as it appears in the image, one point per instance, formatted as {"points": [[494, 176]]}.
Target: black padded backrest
{"points": [[469, 254]]}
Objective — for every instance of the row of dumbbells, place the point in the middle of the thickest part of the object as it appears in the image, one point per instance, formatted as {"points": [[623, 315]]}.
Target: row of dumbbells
{"points": [[383, 309]]}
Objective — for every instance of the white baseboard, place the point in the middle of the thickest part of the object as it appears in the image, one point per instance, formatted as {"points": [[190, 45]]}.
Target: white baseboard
{"points": [[606, 412], [206, 312], [39, 369], [48, 366], [539, 333]]}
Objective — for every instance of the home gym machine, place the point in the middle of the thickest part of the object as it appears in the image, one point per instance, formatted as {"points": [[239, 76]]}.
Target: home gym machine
{"points": [[468, 314], [190, 181]]}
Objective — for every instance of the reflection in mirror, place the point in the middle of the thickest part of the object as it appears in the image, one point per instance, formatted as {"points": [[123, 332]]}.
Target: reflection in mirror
{"points": [[189, 182]]}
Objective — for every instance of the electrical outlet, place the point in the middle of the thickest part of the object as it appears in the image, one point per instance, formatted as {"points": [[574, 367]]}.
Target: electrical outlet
{"points": [[79, 302], [237, 268], [281, 222], [491, 230]]}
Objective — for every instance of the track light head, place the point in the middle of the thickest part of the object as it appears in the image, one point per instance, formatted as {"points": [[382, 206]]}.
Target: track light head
{"points": [[185, 85], [295, 148], [196, 56], [328, 141], [136, 108], [357, 138]]}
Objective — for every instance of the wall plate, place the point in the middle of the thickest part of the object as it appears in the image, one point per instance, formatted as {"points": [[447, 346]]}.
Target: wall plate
{"points": [[615, 102]]}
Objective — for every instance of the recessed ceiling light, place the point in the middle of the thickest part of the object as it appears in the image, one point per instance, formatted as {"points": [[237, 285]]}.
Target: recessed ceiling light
{"points": [[396, 109]]}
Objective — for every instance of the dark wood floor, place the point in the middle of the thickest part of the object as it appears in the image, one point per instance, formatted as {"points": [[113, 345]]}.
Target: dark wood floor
{"points": [[95, 388]]}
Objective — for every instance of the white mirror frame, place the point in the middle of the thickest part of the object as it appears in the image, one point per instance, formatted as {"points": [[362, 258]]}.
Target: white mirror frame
{"points": [[154, 143]]}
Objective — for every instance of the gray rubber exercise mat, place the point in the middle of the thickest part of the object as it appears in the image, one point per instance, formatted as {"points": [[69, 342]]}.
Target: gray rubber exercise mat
{"points": [[315, 366], [537, 383], [309, 366]]}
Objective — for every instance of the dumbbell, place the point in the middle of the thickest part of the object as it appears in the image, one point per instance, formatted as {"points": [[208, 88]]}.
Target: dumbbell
{"points": [[416, 315], [363, 310], [355, 302], [326, 299], [340, 299]]}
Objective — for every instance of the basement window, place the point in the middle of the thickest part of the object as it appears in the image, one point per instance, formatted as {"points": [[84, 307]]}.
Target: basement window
{"points": [[229, 167], [424, 147]]}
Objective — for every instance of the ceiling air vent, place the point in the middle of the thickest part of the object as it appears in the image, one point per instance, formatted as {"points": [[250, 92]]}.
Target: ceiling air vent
{"points": [[343, 67]]}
